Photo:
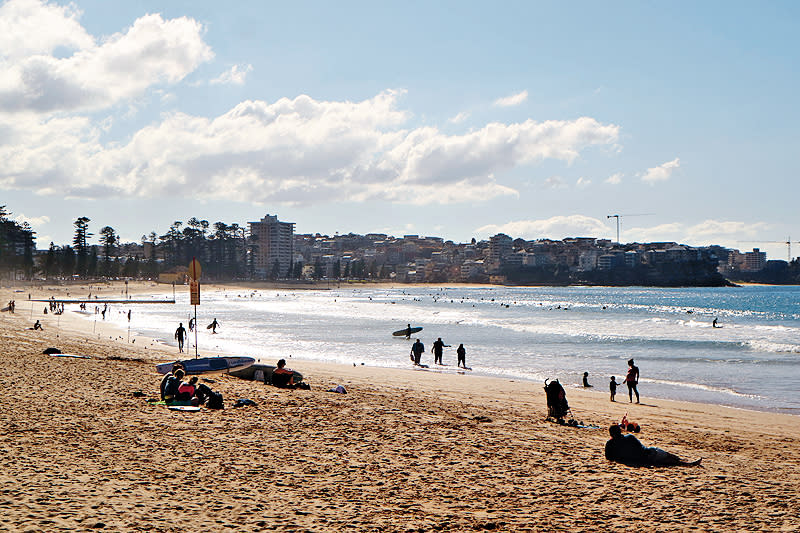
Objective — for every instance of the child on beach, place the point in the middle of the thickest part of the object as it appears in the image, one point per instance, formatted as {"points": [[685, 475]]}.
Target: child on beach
{"points": [[612, 386]]}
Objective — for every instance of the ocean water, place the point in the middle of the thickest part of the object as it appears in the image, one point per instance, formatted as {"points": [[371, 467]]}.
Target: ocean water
{"points": [[531, 333]]}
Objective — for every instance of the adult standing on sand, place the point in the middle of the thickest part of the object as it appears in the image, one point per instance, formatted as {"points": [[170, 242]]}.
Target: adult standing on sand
{"points": [[461, 352], [631, 380], [180, 335]]}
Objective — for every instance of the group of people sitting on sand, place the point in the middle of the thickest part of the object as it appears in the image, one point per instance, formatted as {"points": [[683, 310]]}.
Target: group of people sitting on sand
{"points": [[175, 391]]}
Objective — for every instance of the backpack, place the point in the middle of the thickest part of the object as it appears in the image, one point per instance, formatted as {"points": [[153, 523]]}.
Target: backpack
{"points": [[215, 401]]}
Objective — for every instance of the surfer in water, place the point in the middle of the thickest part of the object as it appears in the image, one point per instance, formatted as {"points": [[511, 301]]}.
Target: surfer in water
{"points": [[437, 348], [714, 323], [417, 349], [180, 335], [462, 356]]}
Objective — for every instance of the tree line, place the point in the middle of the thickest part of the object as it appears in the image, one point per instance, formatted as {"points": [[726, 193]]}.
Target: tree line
{"points": [[224, 250]]}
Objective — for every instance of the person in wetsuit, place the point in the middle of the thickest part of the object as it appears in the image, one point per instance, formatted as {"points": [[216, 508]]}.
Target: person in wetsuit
{"points": [[462, 356], [417, 349], [180, 335], [437, 348]]}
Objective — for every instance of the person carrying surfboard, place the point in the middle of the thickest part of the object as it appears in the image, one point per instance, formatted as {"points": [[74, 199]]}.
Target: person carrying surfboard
{"points": [[213, 326]]}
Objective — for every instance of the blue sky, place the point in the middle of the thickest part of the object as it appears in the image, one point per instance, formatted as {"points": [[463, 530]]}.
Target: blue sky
{"points": [[455, 119]]}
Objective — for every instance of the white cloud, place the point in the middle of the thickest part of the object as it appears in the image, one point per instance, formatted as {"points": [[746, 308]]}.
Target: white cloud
{"points": [[299, 151], [236, 75], [461, 117], [661, 172], [292, 151], [557, 227], [510, 101], [583, 182], [33, 221], [722, 232], [32, 28], [614, 179], [37, 76], [555, 182]]}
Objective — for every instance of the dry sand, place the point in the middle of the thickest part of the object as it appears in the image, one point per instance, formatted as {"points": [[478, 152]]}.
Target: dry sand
{"points": [[404, 450]]}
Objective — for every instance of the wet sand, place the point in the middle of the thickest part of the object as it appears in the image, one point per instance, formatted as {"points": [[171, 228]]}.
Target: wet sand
{"points": [[404, 450]]}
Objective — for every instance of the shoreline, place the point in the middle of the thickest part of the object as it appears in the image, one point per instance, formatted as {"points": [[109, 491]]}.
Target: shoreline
{"points": [[403, 450], [169, 350]]}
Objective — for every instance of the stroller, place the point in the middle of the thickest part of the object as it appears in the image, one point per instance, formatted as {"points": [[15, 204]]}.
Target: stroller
{"points": [[557, 406]]}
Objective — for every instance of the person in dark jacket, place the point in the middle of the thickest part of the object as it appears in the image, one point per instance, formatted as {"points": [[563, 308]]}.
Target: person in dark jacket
{"points": [[628, 450]]}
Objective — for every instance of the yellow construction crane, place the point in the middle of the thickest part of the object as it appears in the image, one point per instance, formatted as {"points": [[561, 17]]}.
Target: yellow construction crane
{"points": [[788, 242]]}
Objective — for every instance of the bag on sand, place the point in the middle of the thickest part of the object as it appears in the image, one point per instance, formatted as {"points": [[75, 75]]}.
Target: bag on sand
{"points": [[215, 401]]}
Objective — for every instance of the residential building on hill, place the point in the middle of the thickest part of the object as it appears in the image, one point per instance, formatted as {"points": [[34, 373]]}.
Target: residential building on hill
{"points": [[274, 242]]}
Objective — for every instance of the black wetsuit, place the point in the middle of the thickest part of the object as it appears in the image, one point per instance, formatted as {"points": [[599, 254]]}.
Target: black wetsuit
{"points": [[438, 346], [417, 349]]}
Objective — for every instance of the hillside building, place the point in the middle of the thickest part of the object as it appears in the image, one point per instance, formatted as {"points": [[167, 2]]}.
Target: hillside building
{"points": [[274, 244]]}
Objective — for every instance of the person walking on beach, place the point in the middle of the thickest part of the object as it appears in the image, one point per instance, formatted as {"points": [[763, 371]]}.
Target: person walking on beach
{"points": [[417, 349], [612, 386], [462, 356], [437, 348], [180, 335], [631, 380], [408, 332], [213, 326]]}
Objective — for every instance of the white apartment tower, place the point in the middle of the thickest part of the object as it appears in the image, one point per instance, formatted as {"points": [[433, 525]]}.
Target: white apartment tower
{"points": [[274, 242]]}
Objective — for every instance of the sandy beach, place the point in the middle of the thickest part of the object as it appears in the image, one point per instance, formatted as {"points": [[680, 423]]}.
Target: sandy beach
{"points": [[404, 450]]}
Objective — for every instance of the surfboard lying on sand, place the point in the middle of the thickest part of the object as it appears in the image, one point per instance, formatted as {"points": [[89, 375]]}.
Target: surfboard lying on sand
{"points": [[191, 408], [209, 365], [74, 356], [406, 332]]}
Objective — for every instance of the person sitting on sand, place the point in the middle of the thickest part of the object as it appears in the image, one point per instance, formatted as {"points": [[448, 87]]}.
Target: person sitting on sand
{"points": [[37, 326], [186, 390], [283, 377], [628, 450], [172, 386], [586, 380], [175, 366]]}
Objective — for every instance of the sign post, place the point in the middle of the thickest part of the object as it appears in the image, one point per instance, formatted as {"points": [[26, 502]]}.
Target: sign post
{"points": [[194, 294]]}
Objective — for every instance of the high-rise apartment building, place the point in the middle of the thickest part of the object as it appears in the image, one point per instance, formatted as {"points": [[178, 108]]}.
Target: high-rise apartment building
{"points": [[274, 243]]}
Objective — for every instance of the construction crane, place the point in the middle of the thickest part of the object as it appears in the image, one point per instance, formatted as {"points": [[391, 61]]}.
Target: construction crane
{"points": [[617, 217], [788, 242]]}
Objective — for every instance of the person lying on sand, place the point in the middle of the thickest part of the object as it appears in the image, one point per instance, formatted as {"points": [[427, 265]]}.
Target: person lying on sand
{"points": [[628, 450]]}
